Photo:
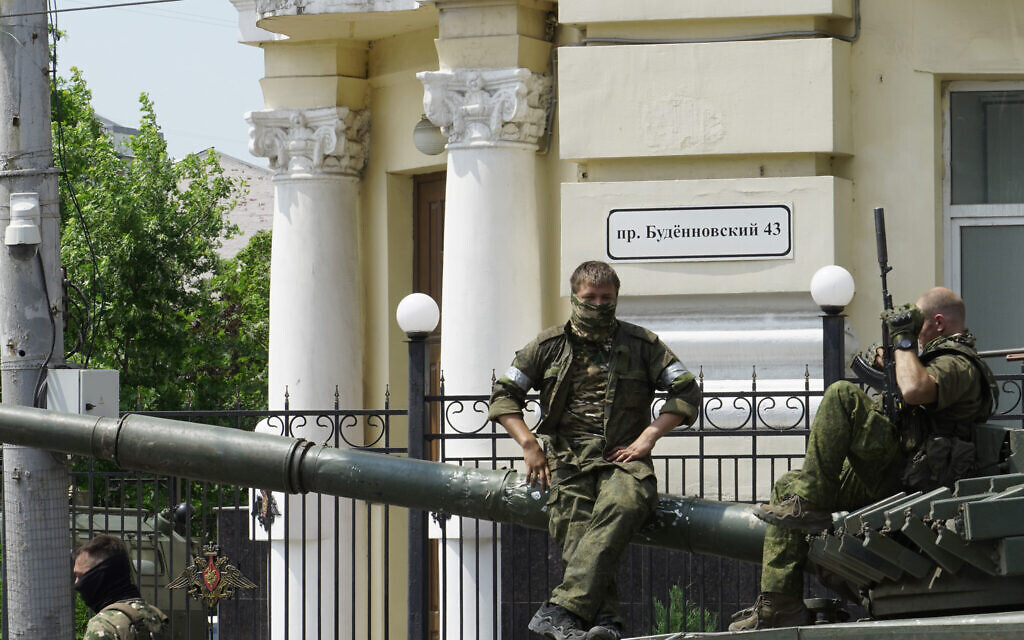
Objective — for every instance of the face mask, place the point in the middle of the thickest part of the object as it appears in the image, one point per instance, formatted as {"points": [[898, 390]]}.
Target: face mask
{"points": [[593, 322], [106, 583]]}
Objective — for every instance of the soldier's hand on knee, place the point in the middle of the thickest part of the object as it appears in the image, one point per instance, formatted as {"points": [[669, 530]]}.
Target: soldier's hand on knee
{"points": [[537, 472]]}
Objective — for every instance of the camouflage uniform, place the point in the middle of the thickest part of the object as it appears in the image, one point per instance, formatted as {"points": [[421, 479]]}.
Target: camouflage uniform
{"points": [[126, 620], [855, 456], [594, 397]]}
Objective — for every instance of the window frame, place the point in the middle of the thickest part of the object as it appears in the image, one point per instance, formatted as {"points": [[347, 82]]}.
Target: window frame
{"points": [[957, 216]]}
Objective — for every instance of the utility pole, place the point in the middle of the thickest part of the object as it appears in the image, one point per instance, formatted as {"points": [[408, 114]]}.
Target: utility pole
{"points": [[37, 543]]}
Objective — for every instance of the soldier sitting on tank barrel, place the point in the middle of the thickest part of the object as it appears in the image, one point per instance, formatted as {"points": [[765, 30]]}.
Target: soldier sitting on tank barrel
{"points": [[856, 455], [103, 579], [597, 377]]}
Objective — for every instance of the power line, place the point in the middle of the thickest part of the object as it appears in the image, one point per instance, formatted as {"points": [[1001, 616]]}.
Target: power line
{"points": [[183, 16], [99, 6]]}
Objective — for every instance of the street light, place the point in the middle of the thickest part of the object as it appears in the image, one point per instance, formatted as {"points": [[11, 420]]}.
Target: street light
{"points": [[832, 288], [417, 315]]}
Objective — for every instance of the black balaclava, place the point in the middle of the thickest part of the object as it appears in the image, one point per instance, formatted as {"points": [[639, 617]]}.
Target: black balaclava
{"points": [[107, 582]]}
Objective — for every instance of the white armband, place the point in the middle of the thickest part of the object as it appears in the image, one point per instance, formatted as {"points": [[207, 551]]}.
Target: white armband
{"points": [[671, 372], [519, 378]]}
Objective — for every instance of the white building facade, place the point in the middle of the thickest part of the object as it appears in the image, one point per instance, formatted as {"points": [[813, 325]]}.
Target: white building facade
{"points": [[716, 153]]}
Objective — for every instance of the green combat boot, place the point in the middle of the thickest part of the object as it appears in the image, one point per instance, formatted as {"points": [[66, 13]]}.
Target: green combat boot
{"points": [[794, 513], [771, 610], [557, 623]]}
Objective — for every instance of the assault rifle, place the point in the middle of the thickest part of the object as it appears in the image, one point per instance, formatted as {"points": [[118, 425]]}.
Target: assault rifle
{"points": [[884, 380]]}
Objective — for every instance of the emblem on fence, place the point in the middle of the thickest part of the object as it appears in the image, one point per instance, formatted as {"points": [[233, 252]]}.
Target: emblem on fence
{"points": [[211, 578], [265, 509]]}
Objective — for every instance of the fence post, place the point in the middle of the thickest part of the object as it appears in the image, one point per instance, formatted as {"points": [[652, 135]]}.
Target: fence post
{"points": [[833, 348], [832, 288], [419, 605]]}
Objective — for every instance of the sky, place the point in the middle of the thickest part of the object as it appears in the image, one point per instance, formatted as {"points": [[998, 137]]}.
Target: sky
{"points": [[184, 54]]}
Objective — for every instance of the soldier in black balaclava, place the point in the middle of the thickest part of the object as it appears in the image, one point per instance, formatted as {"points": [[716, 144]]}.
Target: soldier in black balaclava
{"points": [[103, 578]]}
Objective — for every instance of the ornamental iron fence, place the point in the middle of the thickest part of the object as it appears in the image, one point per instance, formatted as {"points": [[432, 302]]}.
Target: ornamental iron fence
{"points": [[323, 566]]}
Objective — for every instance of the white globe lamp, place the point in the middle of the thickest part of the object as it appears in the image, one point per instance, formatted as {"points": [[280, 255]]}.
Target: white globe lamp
{"points": [[417, 315], [832, 288], [427, 137]]}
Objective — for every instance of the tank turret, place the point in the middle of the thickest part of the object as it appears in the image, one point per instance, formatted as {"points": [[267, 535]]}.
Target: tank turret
{"points": [[943, 551]]}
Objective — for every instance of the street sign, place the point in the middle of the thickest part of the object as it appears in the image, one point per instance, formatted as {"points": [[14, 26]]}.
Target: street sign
{"points": [[721, 232]]}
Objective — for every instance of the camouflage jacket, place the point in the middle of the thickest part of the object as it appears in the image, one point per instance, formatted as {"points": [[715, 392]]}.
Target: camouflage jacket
{"points": [[640, 364], [126, 620]]}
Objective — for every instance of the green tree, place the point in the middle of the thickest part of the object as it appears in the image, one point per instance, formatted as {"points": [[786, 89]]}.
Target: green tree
{"points": [[140, 234], [230, 349]]}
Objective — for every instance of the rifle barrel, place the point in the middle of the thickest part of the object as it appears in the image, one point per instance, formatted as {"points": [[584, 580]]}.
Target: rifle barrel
{"points": [[883, 257]]}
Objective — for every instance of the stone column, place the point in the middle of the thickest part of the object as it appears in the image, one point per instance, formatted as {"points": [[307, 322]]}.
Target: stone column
{"points": [[491, 289], [315, 346], [491, 284]]}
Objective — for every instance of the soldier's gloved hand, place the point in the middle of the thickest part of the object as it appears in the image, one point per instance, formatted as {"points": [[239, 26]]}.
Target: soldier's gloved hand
{"points": [[873, 356], [904, 324]]}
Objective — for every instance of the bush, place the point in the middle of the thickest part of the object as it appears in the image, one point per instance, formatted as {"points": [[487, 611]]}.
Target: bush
{"points": [[681, 615]]}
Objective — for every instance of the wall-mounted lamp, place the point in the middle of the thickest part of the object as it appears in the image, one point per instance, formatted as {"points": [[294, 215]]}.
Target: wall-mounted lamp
{"points": [[428, 138]]}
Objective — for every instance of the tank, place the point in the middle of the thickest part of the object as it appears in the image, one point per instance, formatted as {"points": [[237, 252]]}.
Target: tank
{"points": [[942, 552]]}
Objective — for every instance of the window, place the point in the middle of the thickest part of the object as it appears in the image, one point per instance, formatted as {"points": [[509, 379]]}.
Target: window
{"points": [[984, 208]]}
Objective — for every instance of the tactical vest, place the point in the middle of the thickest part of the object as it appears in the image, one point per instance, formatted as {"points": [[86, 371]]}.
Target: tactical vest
{"points": [[990, 391], [138, 628]]}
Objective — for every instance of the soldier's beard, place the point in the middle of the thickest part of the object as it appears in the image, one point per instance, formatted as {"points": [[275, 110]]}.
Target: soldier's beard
{"points": [[593, 322]]}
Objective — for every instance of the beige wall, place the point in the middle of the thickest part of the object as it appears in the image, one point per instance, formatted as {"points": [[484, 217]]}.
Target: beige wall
{"points": [[396, 104], [906, 51], [867, 113]]}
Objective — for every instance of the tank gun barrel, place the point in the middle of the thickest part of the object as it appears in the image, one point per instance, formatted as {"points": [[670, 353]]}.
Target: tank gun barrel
{"points": [[940, 551], [266, 461]]}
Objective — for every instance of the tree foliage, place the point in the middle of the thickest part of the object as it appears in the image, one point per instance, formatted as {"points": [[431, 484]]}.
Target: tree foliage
{"points": [[140, 234], [230, 349]]}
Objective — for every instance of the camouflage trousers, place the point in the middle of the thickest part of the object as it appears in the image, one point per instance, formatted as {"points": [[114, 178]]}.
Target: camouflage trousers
{"points": [[593, 516], [853, 458]]}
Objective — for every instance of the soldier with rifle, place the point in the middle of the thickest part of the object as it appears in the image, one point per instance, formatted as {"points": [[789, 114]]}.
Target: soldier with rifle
{"points": [[916, 436]]}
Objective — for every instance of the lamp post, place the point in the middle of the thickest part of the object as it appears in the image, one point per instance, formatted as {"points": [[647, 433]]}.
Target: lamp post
{"points": [[832, 288], [417, 315]]}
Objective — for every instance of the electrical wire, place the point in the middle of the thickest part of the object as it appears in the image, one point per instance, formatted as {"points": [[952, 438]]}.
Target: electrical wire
{"points": [[99, 6], [97, 279], [171, 14], [80, 326], [53, 335]]}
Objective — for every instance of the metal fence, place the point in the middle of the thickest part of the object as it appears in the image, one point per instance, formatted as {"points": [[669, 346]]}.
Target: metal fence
{"points": [[339, 579]]}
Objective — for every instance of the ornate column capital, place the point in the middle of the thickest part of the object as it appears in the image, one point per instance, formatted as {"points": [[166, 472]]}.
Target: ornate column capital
{"points": [[487, 107], [317, 141]]}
